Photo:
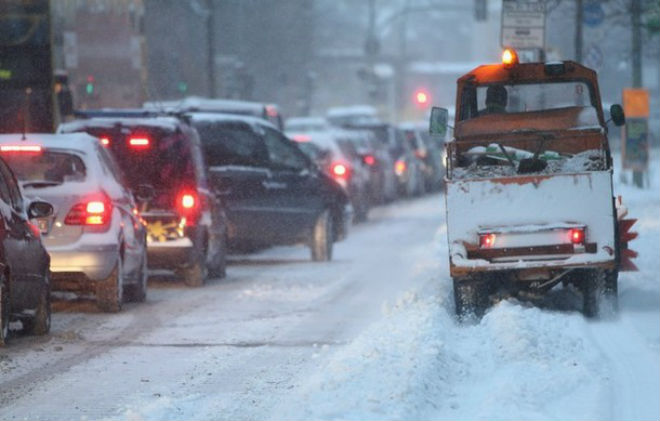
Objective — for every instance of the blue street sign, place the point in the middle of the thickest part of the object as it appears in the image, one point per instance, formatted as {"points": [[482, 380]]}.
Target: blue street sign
{"points": [[593, 13]]}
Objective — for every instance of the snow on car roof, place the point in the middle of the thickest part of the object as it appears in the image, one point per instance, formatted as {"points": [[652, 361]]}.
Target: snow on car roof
{"points": [[81, 142], [208, 104], [367, 110], [320, 121], [208, 117], [164, 122]]}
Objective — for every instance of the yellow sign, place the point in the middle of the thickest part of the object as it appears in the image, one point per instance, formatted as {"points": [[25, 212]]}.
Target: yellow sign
{"points": [[636, 103]]}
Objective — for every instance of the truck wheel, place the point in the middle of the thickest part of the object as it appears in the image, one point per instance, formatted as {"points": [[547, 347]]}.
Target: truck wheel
{"points": [[593, 286], [196, 272], [110, 291], [218, 265], [40, 323], [4, 309], [137, 292], [322, 241], [470, 297], [611, 290]]}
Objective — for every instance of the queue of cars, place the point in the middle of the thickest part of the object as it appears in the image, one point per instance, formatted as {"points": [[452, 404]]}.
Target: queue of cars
{"points": [[116, 193]]}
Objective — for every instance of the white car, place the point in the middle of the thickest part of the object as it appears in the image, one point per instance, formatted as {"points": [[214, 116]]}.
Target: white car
{"points": [[95, 237]]}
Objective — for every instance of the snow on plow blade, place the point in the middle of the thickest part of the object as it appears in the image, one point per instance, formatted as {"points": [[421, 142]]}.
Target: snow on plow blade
{"points": [[530, 221]]}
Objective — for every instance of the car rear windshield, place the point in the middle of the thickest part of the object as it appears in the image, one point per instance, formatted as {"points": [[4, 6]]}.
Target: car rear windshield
{"points": [[47, 167], [150, 155]]}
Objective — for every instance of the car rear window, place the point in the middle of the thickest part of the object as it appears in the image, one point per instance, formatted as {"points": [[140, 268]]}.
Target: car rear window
{"points": [[47, 166]]}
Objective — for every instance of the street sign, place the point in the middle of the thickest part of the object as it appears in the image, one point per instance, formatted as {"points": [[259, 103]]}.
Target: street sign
{"points": [[523, 24], [593, 13], [635, 147]]}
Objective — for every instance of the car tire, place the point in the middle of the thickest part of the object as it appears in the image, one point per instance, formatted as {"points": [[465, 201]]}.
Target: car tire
{"points": [[40, 323], [137, 292], [4, 309], [109, 292], [218, 266], [322, 238], [470, 298], [593, 289]]}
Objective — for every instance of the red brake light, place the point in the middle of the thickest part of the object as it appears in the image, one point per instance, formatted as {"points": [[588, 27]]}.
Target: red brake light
{"points": [[577, 235], [339, 170], [302, 138], [139, 142], [188, 206], [94, 212], [20, 148], [400, 167], [105, 141], [486, 240], [369, 160], [188, 201]]}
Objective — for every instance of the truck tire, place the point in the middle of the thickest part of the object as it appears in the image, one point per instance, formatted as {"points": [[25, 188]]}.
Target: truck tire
{"points": [[110, 291], [322, 238], [470, 298], [4, 309], [218, 265], [593, 287], [40, 323]]}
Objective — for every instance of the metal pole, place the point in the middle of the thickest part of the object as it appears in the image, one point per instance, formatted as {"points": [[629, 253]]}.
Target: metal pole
{"points": [[638, 176], [210, 34]]}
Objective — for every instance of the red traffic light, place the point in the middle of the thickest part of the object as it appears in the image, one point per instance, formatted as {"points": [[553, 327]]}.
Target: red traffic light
{"points": [[422, 98]]}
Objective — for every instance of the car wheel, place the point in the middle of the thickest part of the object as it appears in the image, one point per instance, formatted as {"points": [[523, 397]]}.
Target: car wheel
{"points": [[109, 292], [4, 309], [470, 298], [218, 266], [40, 323], [137, 292], [322, 239]]}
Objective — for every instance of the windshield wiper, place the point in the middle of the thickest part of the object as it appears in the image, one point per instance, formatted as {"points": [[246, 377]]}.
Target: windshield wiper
{"points": [[41, 183]]}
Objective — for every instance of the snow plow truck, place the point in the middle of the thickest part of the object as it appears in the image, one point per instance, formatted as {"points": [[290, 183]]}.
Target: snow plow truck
{"points": [[529, 195]]}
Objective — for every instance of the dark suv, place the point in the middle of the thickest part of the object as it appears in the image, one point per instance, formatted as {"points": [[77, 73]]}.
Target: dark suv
{"points": [[163, 163], [273, 193], [24, 262]]}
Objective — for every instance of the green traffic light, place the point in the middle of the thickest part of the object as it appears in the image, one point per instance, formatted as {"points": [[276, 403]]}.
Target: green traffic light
{"points": [[89, 88]]}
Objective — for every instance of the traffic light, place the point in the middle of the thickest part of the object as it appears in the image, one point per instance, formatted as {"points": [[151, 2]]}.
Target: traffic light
{"points": [[89, 87], [422, 98]]}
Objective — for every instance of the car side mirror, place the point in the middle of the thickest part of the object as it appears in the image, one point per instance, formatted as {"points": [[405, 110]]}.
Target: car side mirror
{"points": [[438, 123], [617, 115], [39, 209], [144, 192]]}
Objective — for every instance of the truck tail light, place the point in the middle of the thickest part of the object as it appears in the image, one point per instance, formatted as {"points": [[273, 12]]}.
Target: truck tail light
{"points": [[486, 241], [91, 213], [105, 141], [577, 235]]}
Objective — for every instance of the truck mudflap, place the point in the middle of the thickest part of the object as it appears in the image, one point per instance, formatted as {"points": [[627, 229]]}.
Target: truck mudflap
{"points": [[625, 236], [551, 221]]}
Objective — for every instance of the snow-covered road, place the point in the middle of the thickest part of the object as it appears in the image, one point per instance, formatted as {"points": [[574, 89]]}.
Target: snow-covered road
{"points": [[367, 336]]}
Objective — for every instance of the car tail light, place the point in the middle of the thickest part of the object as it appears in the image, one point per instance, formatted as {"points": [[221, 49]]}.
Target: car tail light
{"points": [[105, 141], [97, 212], [369, 160], [486, 241], [577, 235], [21, 148], [139, 142], [188, 206], [400, 167], [339, 170]]}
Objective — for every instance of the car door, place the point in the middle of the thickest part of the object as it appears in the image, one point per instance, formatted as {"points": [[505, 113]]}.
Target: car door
{"points": [[294, 186], [237, 164], [23, 249]]}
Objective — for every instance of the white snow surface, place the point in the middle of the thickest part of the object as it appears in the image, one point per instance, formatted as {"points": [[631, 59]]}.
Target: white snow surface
{"points": [[370, 335]]}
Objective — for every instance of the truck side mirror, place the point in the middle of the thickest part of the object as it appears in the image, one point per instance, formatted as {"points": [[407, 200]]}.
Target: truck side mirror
{"points": [[438, 123], [617, 115]]}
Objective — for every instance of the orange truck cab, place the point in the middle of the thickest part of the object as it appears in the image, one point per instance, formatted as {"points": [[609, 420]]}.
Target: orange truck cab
{"points": [[529, 195]]}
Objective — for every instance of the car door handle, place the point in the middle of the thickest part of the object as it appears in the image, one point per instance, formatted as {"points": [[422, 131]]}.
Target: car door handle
{"points": [[274, 185]]}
